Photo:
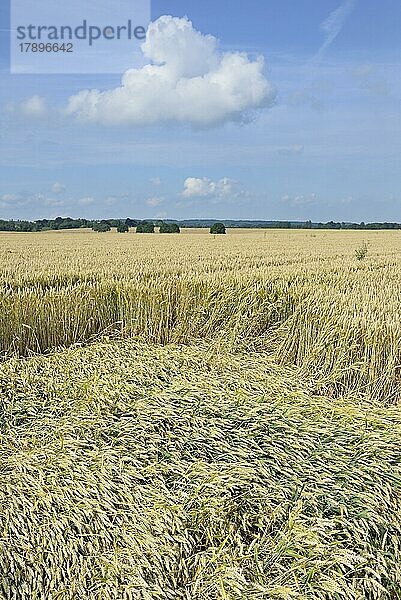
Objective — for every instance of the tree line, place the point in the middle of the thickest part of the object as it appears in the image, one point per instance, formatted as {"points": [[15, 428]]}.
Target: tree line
{"points": [[170, 226]]}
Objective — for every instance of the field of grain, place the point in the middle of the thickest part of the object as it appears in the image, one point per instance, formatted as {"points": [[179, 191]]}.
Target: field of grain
{"points": [[301, 295], [200, 417]]}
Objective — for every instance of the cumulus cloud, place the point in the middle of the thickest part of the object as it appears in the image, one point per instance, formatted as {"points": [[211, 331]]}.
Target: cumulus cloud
{"points": [[187, 80], [58, 188], [195, 187]]}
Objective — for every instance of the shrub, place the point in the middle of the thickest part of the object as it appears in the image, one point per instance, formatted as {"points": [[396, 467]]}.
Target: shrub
{"points": [[122, 228], [145, 227], [169, 228], [361, 252], [218, 228], [101, 227]]}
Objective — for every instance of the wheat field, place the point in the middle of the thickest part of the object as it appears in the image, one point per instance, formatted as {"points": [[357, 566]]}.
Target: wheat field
{"points": [[301, 295], [200, 417]]}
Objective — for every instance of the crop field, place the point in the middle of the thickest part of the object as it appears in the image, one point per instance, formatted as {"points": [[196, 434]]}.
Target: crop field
{"points": [[200, 417]]}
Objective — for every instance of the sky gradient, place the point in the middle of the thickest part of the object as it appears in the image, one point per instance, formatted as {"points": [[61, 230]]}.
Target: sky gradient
{"points": [[315, 133]]}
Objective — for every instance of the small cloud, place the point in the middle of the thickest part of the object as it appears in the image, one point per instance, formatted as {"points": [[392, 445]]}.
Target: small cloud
{"points": [[195, 187], [155, 181], [198, 188], [58, 188], [161, 215], [223, 189], [110, 200], [155, 201], [34, 107]]}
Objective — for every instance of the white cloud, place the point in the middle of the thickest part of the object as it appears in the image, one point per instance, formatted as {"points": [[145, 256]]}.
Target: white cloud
{"points": [[222, 189], [195, 187], [187, 80], [333, 25], [34, 107], [58, 188], [155, 201], [155, 181]]}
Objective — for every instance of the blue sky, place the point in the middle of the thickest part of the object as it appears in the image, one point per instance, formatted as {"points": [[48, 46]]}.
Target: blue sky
{"points": [[316, 136]]}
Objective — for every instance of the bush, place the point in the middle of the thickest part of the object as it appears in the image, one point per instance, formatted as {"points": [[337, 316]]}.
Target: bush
{"points": [[361, 252], [122, 228], [101, 227], [218, 228], [169, 228], [145, 227]]}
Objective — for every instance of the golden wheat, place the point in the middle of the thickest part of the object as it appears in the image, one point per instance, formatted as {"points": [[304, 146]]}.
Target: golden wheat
{"points": [[240, 437], [140, 472], [301, 295]]}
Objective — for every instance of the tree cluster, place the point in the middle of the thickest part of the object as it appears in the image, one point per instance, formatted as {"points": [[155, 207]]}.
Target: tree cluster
{"points": [[169, 228], [145, 227], [218, 228]]}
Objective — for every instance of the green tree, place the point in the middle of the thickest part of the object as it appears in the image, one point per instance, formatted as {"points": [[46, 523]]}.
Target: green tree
{"points": [[101, 227], [145, 227], [122, 228], [169, 228], [218, 228]]}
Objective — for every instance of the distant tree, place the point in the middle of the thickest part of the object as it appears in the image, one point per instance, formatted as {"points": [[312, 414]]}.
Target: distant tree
{"points": [[101, 227], [218, 228], [122, 228], [145, 227], [169, 228], [131, 222]]}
